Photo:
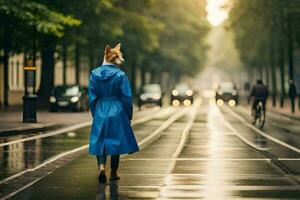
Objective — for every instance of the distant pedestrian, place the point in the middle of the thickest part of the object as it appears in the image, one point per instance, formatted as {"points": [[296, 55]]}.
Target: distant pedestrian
{"points": [[292, 95], [111, 106]]}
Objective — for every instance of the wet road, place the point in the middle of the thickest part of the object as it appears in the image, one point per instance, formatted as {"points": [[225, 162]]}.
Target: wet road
{"points": [[219, 157]]}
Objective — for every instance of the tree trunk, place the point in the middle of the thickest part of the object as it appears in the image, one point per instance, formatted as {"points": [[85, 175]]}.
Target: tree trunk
{"points": [[143, 75], [290, 51], [6, 80], [133, 75], [282, 78], [64, 55], [273, 73], [48, 64], [267, 76], [77, 64], [91, 61]]}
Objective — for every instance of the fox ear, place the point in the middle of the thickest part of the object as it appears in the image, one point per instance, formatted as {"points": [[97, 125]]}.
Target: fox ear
{"points": [[107, 48], [118, 47]]}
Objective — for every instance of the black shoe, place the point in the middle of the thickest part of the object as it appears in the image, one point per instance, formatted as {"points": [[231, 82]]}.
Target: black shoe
{"points": [[102, 177], [114, 176]]}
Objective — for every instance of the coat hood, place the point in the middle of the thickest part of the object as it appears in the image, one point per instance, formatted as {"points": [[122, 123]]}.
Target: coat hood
{"points": [[106, 72]]}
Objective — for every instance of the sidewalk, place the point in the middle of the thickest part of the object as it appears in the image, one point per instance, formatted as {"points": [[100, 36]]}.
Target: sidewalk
{"points": [[285, 110], [11, 121]]}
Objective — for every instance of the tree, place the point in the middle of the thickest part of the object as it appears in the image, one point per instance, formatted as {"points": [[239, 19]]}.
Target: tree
{"points": [[17, 19]]}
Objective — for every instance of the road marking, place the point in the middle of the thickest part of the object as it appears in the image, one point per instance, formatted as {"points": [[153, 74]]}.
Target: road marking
{"points": [[204, 159], [158, 132], [224, 176], [238, 134], [223, 187], [295, 149], [142, 144], [50, 160], [246, 111], [186, 131], [85, 124], [23, 188], [52, 133]]}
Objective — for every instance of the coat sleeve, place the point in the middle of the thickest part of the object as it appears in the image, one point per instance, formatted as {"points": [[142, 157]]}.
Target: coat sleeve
{"points": [[92, 95], [126, 96]]}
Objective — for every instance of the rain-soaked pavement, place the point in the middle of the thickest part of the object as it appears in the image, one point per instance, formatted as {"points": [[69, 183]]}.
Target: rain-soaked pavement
{"points": [[223, 158]]}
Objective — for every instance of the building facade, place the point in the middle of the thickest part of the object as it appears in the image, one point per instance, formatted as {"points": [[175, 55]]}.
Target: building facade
{"points": [[16, 77]]}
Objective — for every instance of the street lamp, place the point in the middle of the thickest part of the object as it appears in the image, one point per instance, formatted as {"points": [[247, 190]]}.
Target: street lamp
{"points": [[30, 97]]}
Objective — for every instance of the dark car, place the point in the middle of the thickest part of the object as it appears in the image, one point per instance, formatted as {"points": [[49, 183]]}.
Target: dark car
{"points": [[71, 97], [150, 94], [227, 93], [182, 94]]}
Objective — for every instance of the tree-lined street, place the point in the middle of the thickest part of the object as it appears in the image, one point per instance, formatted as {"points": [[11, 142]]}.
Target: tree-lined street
{"points": [[223, 157], [213, 87]]}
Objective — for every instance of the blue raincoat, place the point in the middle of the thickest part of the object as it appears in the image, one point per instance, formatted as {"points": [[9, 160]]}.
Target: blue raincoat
{"points": [[111, 106]]}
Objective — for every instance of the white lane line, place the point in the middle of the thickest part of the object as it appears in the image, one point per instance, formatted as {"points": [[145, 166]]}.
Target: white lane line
{"points": [[52, 133], [202, 159], [85, 124], [223, 187], [187, 128], [142, 144], [278, 115], [234, 114], [207, 176], [23, 188], [158, 132], [154, 115], [147, 111], [239, 135], [50, 160], [183, 140]]}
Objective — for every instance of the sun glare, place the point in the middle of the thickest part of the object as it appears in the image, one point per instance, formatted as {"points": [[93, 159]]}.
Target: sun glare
{"points": [[216, 14]]}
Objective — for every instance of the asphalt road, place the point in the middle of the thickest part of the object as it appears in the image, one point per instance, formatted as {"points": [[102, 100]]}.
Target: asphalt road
{"points": [[220, 156]]}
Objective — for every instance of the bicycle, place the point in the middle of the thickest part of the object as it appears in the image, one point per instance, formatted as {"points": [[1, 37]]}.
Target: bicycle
{"points": [[259, 115]]}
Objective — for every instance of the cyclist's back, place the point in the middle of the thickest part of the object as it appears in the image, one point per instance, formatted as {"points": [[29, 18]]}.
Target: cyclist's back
{"points": [[260, 93]]}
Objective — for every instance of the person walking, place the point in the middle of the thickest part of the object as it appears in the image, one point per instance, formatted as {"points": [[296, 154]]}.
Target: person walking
{"points": [[292, 95], [110, 100]]}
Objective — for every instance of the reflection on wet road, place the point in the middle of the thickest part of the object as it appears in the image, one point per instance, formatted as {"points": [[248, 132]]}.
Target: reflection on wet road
{"points": [[20, 156], [222, 159]]}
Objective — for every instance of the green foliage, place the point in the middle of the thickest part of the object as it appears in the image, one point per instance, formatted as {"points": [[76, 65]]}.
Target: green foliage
{"points": [[181, 42], [255, 22], [35, 14], [165, 35]]}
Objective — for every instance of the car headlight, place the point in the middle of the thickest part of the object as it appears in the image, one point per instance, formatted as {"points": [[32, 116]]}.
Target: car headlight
{"points": [[189, 92], [175, 92], [156, 96], [234, 92], [74, 99], [52, 99], [143, 97], [220, 92]]}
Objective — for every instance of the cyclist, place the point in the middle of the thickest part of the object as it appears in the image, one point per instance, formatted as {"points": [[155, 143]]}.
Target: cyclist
{"points": [[260, 93]]}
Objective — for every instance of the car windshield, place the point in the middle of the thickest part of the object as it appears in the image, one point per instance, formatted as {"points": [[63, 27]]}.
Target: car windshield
{"points": [[66, 90], [152, 88], [226, 87], [182, 87]]}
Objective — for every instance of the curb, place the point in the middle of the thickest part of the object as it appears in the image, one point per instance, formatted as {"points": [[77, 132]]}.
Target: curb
{"points": [[30, 130]]}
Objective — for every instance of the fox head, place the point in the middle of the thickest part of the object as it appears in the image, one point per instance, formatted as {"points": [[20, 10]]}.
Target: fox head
{"points": [[113, 55]]}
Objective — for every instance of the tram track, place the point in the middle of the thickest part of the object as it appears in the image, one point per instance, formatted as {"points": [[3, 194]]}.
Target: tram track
{"points": [[174, 113]]}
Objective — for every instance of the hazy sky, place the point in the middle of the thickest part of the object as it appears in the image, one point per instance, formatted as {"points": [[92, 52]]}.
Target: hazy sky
{"points": [[216, 13]]}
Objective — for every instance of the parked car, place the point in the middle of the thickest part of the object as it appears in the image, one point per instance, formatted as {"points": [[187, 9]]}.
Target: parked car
{"points": [[71, 97], [227, 93], [150, 94], [182, 94]]}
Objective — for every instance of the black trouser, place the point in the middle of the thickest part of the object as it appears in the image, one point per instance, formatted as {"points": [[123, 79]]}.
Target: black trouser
{"points": [[293, 104], [255, 102], [115, 159]]}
